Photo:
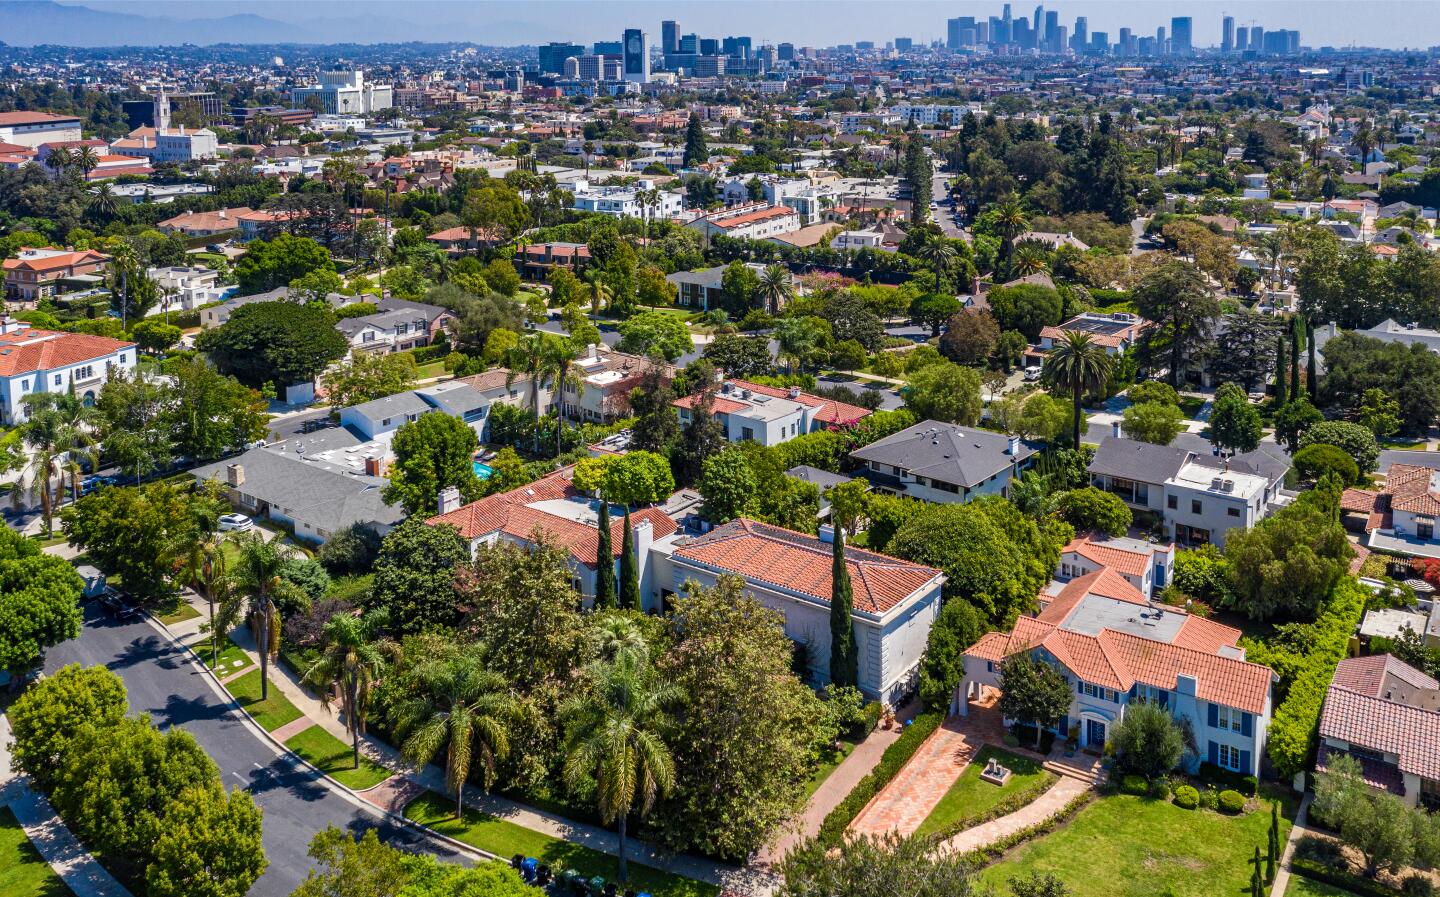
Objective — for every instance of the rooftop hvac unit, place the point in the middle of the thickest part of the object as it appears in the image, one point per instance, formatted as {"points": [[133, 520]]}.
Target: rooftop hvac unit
{"points": [[1217, 483], [1228, 486]]}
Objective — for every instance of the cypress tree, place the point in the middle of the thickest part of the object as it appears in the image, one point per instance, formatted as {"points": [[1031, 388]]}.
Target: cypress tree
{"points": [[1312, 381], [604, 561], [1281, 396], [696, 151], [629, 575], [844, 663], [1297, 336]]}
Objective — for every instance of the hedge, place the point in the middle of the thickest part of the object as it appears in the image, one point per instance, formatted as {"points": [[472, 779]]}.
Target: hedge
{"points": [[996, 849], [1318, 871], [1292, 734], [832, 830], [1012, 804], [1221, 777]]}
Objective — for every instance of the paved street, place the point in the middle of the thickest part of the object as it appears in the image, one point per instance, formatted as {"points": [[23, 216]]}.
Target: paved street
{"points": [[162, 682]]}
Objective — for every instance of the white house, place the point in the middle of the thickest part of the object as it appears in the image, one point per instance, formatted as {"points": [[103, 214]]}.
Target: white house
{"points": [[1144, 565], [186, 289], [768, 415], [753, 221], [35, 361], [625, 201]]}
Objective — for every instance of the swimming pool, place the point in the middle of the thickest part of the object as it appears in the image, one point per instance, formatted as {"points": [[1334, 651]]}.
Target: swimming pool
{"points": [[482, 470]]}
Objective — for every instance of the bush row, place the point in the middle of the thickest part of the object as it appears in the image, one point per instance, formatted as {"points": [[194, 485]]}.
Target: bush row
{"points": [[832, 830], [1009, 805], [1317, 871], [995, 850], [1292, 731], [1221, 777]]}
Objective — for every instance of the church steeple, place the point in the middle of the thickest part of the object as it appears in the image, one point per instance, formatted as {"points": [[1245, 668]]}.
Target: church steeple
{"points": [[162, 111]]}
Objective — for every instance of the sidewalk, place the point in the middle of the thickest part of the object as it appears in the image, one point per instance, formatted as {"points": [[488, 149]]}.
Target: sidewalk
{"points": [[398, 790], [80, 871], [1297, 831], [1033, 813]]}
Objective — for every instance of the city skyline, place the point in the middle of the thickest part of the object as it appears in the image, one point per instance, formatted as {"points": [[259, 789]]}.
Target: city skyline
{"points": [[1337, 23]]}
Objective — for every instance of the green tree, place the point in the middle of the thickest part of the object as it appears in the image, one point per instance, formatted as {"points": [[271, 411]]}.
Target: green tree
{"points": [[970, 337], [1091, 509], [274, 342], [871, 866], [154, 335], [844, 654], [463, 707], [1077, 364], [848, 355], [1235, 423], [213, 414], [350, 866], [604, 560], [957, 627], [48, 717], [133, 532], [945, 392], [415, 576], [1290, 561], [1153, 422], [933, 310], [613, 740], [39, 603], [638, 478], [1379, 413], [274, 263], [54, 428], [696, 152], [256, 579], [655, 331], [1293, 420], [1027, 308], [728, 485], [209, 846], [366, 377], [739, 356], [629, 598], [1282, 394], [1315, 461], [1358, 442], [432, 453], [134, 419], [351, 659], [1033, 691], [1176, 297], [1147, 741]]}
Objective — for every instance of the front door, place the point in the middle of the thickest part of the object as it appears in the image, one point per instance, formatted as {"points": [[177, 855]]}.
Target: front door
{"points": [[1094, 734], [1425, 530]]}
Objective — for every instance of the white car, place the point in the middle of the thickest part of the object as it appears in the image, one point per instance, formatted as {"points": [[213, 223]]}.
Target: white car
{"points": [[237, 523], [1033, 372]]}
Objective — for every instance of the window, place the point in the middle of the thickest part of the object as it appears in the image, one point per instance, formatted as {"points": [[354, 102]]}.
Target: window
{"points": [[59, 378], [747, 433], [1233, 512], [1229, 757], [385, 422], [1195, 506], [1096, 691], [1172, 502], [1229, 719], [25, 385]]}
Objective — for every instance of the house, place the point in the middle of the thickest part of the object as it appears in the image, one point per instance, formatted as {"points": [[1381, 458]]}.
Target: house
{"points": [[1198, 497], [396, 326], [457, 241], [1115, 647], [36, 274], [185, 289], [294, 485], [166, 144], [1385, 714], [535, 261], [35, 361], [35, 128], [1144, 565], [940, 462], [378, 419], [1052, 241], [205, 224], [895, 601], [703, 289], [753, 221], [216, 315], [768, 415], [640, 199], [1400, 518], [1116, 332], [607, 377]]}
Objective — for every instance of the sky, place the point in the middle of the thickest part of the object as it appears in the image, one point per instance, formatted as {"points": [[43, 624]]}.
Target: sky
{"points": [[1385, 23]]}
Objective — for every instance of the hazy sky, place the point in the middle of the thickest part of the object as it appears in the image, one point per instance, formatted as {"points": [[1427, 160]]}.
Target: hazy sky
{"points": [[1389, 23]]}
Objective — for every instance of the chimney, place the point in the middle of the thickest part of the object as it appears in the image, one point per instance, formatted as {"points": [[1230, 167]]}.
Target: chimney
{"points": [[1014, 448], [374, 467], [449, 500], [235, 474], [1115, 428], [222, 213]]}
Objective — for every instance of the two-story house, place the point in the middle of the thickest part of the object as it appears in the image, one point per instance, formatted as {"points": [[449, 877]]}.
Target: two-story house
{"points": [[1115, 647], [704, 288], [35, 361], [185, 289], [1147, 566], [600, 391], [1400, 518], [1197, 497], [1115, 332], [535, 261], [940, 462], [397, 325], [1385, 714], [36, 274], [768, 415]]}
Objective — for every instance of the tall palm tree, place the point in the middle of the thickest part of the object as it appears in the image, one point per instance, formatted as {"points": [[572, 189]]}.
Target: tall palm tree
{"points": [[1028, 259], [102, 203], [613, 739], [1010, 219], [1365, 141], [256, 581], [86, 160], [775, 288], [55, 432], [527, 359], [1077, 363], [558, 368], [57, 161], [463, 707], [939, 253], [600, 292], [797, 341], [352, 659], [201, 556]]}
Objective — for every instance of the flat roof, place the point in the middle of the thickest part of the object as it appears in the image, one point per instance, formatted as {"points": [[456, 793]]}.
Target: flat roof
{"points": [[1096, 612]]}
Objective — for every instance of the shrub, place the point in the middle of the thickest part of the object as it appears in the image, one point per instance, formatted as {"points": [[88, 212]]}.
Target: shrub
{"points": [[1221, 777], [1356, 441], [1231, 802], [1135, 785], [832, 830], [1186, 797], [1314, 461], [1350, 884], [1210, 798], [872, 713], [1417, 885]]}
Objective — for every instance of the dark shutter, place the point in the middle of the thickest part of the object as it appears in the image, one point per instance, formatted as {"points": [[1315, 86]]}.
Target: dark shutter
{"points": [[1214, 717], [1164, 698], [1245, 762], [1214, 751], [1247, 724]]}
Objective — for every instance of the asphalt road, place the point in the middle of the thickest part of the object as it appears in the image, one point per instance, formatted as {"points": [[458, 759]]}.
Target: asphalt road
{"points": [[163, 682]]}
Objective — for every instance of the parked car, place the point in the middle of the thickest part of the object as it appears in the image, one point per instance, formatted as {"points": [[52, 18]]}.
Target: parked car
{"points": [[235, 523], [93, 482], [1033, 372], [117, 604]]}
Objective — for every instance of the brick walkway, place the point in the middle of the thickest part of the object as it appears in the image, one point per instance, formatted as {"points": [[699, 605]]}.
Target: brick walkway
{"points": [[394, 793], [1038, 810], [292, 728], [919, 786]]}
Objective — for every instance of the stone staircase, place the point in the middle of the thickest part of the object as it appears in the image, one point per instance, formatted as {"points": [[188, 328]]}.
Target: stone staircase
{"points": [[1082, 767]]}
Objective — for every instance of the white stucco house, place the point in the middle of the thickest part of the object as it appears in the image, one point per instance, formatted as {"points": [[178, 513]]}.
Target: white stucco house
{"points": [[35, 361]]}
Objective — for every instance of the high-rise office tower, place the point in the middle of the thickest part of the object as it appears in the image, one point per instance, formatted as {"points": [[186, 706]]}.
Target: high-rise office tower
{"points": [[1006, 14], [690, 43], [1100, 40], [1082, 34], [1180, 34], [1122, 43], [904, 44], [1257, 38], [553, 56], [999, 30], [1052, 31], [709, 46], [637, 57], [608, 48], [736, 47], [670, 36], [982, 32], [1038, 26], [785, 52], [1242, 39], [954, 29], [1227, 34], [1160, 46]]}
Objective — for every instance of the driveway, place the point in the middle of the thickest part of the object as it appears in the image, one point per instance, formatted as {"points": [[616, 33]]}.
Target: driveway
{"points": [[164, 682]]}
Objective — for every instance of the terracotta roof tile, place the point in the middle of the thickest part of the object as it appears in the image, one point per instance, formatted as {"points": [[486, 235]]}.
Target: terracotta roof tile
{"points": [[1410, 733], [44, 350]]}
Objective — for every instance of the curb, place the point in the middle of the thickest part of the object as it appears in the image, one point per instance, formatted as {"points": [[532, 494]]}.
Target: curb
{"points": [[343, 791]]}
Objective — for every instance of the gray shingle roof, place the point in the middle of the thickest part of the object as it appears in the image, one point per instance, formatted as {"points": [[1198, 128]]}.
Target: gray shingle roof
{"points": [[1139, 461], [950, 453], [310, 492], [391, 406]]}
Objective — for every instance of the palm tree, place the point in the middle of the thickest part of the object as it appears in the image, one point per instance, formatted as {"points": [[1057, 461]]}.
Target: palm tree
{"points": [[797, 341], [1028, 259], [102, 202], [775, 289], [1365, 141], [528, 358], [202, 567], [55, 432], [1077, 363], [587, 148], [558, 360], [352, 659], [613, 740], [462, 706], [1314, 148], [257, 582], [600, 292], [939, 253], [618, 637], [1010, 219], [85, 159], [57, 161]]}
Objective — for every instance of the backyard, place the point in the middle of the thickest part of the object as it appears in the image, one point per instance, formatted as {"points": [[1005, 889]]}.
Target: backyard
{"points": [[971, 798], [23, 873], [1149, 847]]}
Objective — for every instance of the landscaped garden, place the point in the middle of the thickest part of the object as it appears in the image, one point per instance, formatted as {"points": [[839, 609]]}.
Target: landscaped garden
{"points": [[972, 799], [506, 839], [272, 712], [23, 872], [335, 758], [1126, 846], [1300, 886], [232, 659], [828, 765]]}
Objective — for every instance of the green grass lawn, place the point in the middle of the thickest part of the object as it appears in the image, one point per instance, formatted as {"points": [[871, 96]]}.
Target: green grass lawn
{"points": [[23, 872], [1405, 445], [182, 612], [505, 839], [971, 797], [1123, 846], [232, 660], [1300, 886], [45, 541], [827, 767], [430, 369], [336, 759], [271, 713], [1190, 406]]}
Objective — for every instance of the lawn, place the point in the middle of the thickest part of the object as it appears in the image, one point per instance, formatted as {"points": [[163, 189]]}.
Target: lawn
{"points": [[1123, 846], [335, 758], [505, 839], [182, 612], [823, 772], [272, 713], [1190, 406], [23, 872], [430, 369], [1405, 445], [1300, 886], [232, 658], [971, 797], [45, 541]]}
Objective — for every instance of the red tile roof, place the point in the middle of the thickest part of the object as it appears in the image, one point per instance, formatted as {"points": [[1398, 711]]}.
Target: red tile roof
{"points": [[1366, 675], [12, 119], [828, 411], [1409, 489], [1130, 562], [224, 219], [729, 221], [1104, 582], [54, 262], [30, 350], [800, 563], [1410, 733]]}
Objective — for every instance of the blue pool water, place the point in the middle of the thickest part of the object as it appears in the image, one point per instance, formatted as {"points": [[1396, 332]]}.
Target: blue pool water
{"points": [[483, 471]]}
